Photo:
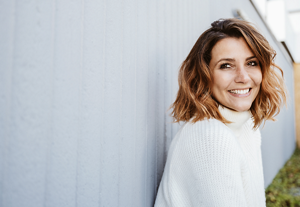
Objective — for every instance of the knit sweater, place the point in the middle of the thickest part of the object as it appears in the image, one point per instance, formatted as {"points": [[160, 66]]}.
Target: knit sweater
{"points": [[212, 164]]}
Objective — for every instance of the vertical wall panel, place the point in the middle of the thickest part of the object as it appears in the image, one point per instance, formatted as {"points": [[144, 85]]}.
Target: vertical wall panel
{"points": [[128, 167], [102, 58], [220, 10], [141, 105], [6, 61], [203, 24], [168, 96], [160, 56], [29, 118], [62, 169], [91, 121], [152, 100], [176, 43], [112, 104]]}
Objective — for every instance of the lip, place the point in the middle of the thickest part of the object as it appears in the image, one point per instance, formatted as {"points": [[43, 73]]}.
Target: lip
{"points": [[241, 95], [240, 88]]}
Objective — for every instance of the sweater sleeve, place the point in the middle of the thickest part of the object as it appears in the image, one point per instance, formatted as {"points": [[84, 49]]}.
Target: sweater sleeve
{"points": [[205, 168]]}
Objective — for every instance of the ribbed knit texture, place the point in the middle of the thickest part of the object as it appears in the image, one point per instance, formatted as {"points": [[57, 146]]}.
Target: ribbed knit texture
{"points": [[212, 164]]}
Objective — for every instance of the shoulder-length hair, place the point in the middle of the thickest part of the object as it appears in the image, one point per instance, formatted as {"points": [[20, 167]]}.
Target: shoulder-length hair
{"points": [[194, 98]]}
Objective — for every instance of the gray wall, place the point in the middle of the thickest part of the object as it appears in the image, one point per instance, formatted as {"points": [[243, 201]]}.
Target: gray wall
{"points": [[85, 86]]}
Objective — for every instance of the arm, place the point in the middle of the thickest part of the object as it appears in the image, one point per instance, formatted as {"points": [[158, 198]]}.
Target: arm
{"points": [[205, 168]]}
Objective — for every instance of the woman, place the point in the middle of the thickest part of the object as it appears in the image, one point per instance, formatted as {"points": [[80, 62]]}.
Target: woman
{"points": [[228, 86]]}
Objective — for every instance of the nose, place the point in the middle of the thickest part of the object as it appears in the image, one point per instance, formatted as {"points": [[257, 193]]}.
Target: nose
{"points": [[242, 75]]}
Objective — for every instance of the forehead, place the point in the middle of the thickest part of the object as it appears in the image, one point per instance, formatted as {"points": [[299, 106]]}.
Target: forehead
{"points": [[231, 47]]}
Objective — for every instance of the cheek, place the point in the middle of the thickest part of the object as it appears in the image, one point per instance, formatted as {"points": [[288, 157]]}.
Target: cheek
{"points": [[257, 78], [219, 86], [221, 80]]}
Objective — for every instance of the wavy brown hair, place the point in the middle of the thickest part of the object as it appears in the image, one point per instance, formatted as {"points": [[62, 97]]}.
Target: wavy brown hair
{"points": [[194, 98]]}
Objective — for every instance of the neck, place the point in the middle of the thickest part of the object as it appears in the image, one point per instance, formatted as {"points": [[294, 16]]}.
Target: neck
{"points": [[237, 119]]}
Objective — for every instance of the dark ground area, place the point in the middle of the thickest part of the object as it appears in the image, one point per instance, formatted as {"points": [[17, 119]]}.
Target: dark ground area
{"points": [[284, 191]]}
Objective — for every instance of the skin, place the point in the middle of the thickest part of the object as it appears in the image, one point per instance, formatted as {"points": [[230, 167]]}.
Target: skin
{"points": [[234, 67]]}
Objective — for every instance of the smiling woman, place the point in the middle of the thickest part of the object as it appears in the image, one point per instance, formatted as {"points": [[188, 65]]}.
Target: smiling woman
{"points": [[236, 74], [228, 85]]}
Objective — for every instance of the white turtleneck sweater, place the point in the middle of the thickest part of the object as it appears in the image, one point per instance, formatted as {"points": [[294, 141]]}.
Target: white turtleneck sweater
{"points": [[212, 164]]}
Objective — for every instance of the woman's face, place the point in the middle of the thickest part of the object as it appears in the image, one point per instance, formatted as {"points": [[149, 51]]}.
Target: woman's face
{"points": [[236, 74]]}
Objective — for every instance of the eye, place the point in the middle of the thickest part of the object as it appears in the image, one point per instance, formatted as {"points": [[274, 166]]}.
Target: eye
{"points": [[253, 63], [225, 65]]}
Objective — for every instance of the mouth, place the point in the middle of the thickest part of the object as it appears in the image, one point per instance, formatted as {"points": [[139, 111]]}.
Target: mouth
{"points": [[240, 91]]}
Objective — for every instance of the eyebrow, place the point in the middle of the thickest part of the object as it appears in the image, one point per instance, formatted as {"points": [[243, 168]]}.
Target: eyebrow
{"points": [[232, 60], [249, 58]]}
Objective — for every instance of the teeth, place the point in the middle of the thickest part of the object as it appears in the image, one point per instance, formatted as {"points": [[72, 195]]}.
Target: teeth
{"points": [[240, 91]]}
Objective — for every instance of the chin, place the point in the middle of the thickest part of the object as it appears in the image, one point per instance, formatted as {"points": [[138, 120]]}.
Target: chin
{"points": [[241, 108]]}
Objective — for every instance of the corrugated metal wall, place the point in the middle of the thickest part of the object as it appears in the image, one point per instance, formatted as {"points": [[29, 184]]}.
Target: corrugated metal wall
{"points": [[84, 89]]}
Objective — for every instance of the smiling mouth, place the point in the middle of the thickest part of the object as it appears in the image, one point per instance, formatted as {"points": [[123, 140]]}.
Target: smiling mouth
{"points": [[241, 92]]}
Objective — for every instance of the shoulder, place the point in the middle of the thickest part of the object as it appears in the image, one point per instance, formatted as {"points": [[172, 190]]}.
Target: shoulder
{"points": [[210, 129], [206, 124], [205, 144], [254, 134], [206, 135]]}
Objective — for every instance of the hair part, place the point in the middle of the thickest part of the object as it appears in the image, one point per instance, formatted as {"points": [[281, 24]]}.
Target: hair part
{"points": [[194, 101]]}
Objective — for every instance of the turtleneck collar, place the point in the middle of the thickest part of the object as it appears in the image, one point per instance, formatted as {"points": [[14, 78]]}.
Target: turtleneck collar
{"points": [[237, 119]]}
